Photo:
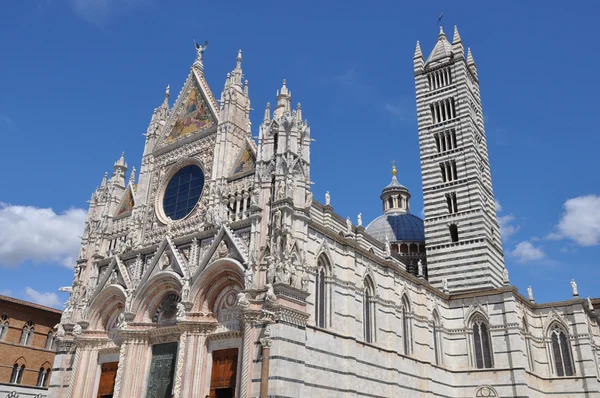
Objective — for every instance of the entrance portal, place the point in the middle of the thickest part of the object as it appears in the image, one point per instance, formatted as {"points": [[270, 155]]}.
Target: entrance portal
{"points": [[224, 372], [108, 373]]}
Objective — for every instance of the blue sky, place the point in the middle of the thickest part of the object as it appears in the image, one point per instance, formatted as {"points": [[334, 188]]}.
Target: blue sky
{"points": [[80, 78]]}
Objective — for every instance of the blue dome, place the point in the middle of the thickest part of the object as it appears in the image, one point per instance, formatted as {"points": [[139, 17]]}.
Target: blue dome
{"points": [[398, 226]]}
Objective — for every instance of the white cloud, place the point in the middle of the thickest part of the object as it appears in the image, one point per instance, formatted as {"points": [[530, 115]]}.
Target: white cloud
{"points": [[498, 206], [525, 252], [47, 299], [580, 222], [30, 233], [98, 12], [507, 228]]}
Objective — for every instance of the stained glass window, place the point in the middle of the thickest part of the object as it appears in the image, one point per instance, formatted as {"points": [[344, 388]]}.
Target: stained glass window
{"points": [[183, 192]]}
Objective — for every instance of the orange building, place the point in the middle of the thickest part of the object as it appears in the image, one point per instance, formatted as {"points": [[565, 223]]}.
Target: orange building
{"points": [[26, 347]]}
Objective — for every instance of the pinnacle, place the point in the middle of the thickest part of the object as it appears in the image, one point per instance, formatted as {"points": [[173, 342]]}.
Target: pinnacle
{"points": [[441, 32], [470, 59], [418, 53], [456, 38]]}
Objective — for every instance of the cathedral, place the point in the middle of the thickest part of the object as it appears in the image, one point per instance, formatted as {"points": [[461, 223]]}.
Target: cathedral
{"points": [[213, 272]]}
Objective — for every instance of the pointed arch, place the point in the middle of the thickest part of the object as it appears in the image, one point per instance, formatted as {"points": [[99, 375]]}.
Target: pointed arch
{"points": [[482, 345], [406, 325], [369, 318], [437, 338], [209, 284], [560, 350], [321, 290]]}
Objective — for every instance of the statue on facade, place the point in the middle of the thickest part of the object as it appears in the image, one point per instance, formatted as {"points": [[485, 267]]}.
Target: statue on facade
{"points": [[505, 276], [277, 219], [445, 284], [180, 310], [304, 280], [348, 226], [279, 272], [327, 199], [293, 277], [185, 289], [420, 268], [359, 223], [242, 300], [223, 250], [308, 200], [128, 300], [270, 296], [281, 190], [530, 293], [200, 49], [248, 276], [574, 288], [270, 269]]}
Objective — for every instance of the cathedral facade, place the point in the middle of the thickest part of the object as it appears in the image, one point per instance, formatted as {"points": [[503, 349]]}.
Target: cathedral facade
{"points": [[215, 273]]}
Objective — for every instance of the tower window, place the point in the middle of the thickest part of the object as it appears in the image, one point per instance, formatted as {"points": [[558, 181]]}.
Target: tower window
{"points": [[439, 78], [369, 311], [451, 202], [453, 233]]}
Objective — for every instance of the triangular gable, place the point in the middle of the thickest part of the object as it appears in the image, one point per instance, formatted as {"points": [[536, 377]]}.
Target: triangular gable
{"points": [[176, 264], [194, 111], [245, 163], [127, 202], [123, 277], [231, 240]]}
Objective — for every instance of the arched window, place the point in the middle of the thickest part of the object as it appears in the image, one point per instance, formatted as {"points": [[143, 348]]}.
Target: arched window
{"points": [[3, 330], [321, 292], [561, 351], [47, 378], [21, 374], [369, 310], [49, 340], [527, 343], [15, 374], [406, 329], [27, 333], [437, 341], [481, 343], [453, 233], [40, 378]]}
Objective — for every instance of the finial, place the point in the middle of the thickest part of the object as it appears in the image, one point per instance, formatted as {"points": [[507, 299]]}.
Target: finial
{"points": [[168, 91], [456, 38], [441, 31], [394, 171], [103, 183], [239, 56]]}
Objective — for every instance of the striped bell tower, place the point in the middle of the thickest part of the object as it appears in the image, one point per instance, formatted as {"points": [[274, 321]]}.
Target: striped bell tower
{"points": [[464, 249]]}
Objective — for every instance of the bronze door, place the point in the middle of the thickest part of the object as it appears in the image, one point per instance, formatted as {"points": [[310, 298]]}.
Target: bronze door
{"points": [[162, 370], [108, 373], [224, 372]]}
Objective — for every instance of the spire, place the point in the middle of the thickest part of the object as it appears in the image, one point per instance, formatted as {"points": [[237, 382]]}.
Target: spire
{"points": [[120, 167], [236, 74], [470, 60], [103, 183], [284, 97], [132, 176], [418, 60], [457, 46], [267, 112], [299, 112], [418, 53], [442, 49], [456, 38]]}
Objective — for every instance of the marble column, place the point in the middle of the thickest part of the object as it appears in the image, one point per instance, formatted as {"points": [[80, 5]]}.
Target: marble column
{"points": [[247, 318], [264, 374]]}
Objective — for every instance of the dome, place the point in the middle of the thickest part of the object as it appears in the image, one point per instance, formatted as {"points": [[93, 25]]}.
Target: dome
{"points": [[398, 226]]}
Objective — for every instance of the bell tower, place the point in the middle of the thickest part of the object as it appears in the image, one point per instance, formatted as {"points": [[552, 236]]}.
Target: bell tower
{"points": [[464, 249]]}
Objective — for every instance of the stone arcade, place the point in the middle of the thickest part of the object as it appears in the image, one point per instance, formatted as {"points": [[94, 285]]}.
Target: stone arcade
{"points": [[215, 272]]}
